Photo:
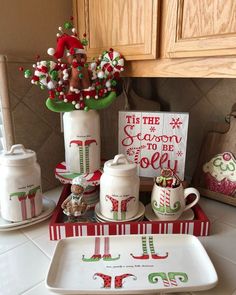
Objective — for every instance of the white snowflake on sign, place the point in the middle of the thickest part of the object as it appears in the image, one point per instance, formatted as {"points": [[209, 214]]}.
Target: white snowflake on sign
{"points": [[179, 153], [152, 129], [176, 123]]}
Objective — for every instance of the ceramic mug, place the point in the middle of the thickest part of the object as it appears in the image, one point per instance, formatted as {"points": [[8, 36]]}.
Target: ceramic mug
{"points": [[169, 203]]}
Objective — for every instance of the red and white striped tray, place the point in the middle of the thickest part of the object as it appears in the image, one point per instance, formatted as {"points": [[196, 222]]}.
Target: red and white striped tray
{"points": [[200, 226]]}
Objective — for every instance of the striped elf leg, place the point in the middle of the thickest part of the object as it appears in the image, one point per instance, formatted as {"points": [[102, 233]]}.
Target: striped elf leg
{"points": [[124, 204], [115, 206], [86, 158], [145, 254], [176, 206], [115, 215], [107, 256], [81, 159], [163, 198], [153, 278], [160, 206], [167, 203], [152, 250], [22, 199], [182, 276], [96, 256], [123, 215], [31, 197], [87, 143]]}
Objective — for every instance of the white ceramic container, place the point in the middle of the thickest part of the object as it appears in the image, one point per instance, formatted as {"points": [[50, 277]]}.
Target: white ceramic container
{"points": [[82, 141], [119, 189], [20, 182]]}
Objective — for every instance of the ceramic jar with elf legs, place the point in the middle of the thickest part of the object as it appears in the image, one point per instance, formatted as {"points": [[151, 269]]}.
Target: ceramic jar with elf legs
{"points": [[20, 182], [119, 189]]}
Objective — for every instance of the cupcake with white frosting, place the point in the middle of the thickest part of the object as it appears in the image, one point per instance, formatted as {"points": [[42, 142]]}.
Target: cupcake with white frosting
{"points": [[220, 174]]}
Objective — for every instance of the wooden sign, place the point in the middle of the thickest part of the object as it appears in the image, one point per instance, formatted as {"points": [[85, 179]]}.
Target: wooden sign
{"points": [[154, 140]]}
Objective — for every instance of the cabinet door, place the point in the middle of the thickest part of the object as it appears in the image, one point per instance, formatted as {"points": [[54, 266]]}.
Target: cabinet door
{"points": [[129, 26], [202, 28]]}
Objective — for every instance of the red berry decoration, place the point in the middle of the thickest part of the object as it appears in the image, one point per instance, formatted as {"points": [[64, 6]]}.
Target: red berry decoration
{"points": [[82, 105], [101, 92]]}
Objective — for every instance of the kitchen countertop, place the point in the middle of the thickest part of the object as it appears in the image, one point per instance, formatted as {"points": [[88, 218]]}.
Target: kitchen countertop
{"points": [[25, 253]]}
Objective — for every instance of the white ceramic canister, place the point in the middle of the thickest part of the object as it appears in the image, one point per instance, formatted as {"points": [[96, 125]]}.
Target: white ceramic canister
{"points": [[119, 189], [82, 141], [20, 182]]}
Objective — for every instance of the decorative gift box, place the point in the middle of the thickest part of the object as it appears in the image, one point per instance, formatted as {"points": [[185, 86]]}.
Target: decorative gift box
{"points": [[59, 228]]}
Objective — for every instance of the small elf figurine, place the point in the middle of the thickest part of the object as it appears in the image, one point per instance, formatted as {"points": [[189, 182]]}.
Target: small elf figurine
{"points": [[74, 206], [167, 179]]}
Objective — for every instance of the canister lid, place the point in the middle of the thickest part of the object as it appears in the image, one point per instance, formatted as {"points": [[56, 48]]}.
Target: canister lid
{"points": [[18, 156], [120, 166]]}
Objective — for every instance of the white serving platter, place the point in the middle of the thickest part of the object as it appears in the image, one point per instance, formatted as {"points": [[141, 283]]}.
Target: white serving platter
{"points": [[132, 264]]}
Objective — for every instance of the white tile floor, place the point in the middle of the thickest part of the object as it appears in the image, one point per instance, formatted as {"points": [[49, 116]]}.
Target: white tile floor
{"points": [[25, 253]]}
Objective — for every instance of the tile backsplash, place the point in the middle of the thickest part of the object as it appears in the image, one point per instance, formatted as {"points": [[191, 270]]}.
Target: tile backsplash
{"points": [[206, 100]]}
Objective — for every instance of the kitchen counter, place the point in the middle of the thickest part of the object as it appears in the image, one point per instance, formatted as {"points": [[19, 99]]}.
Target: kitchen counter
{"points": [[25, 253]]}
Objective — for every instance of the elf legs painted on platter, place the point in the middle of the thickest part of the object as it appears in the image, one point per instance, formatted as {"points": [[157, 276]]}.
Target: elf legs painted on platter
{"points": [[170, 279], [97, 253], [111, 281], [118, 280], [153, 254]]}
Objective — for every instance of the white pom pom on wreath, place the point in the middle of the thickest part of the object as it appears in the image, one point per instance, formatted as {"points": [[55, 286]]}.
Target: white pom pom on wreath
{"points": [[51, 51], [50, 85], [101, 75]]}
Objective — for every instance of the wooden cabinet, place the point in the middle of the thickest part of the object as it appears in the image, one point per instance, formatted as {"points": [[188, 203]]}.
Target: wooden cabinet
{"points": [[202, 28], [129, 26], [163, 38]]}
